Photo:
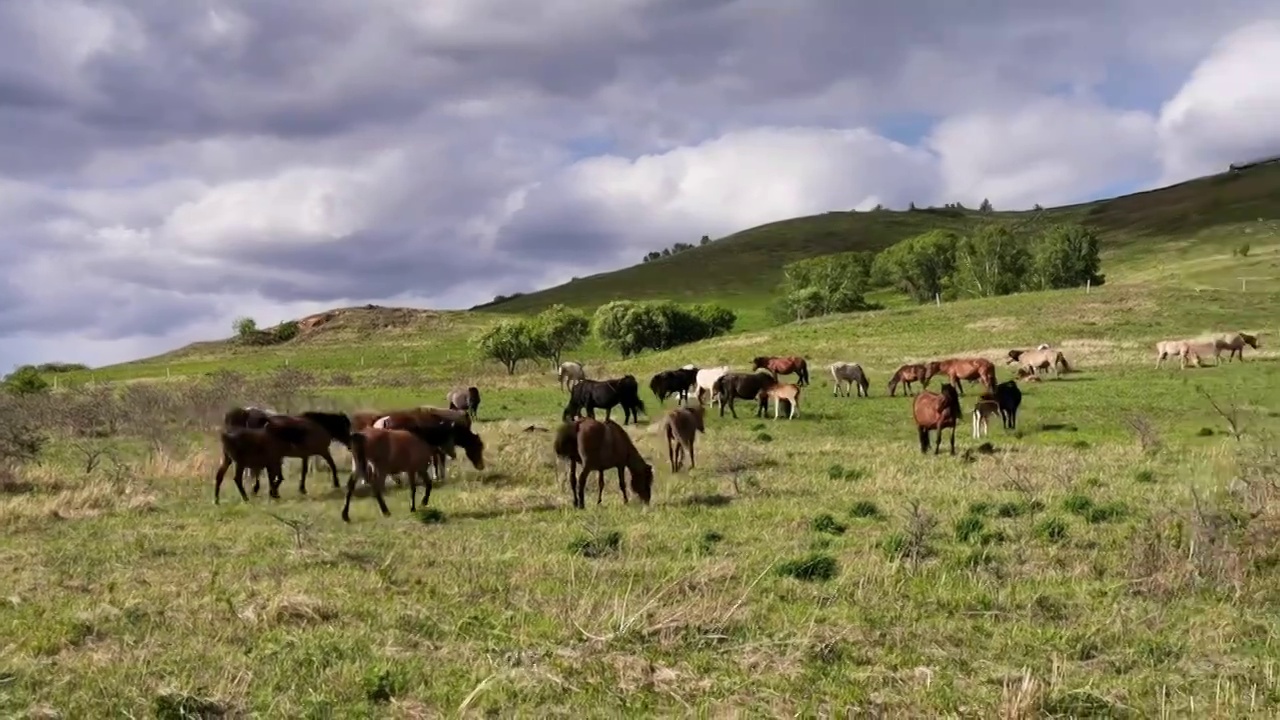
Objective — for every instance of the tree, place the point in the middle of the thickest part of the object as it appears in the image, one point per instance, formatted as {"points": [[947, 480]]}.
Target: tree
{"points": [[631, 327], [244, 327], [508, 342], [706, 240], [1065, 255], [824, 285], [25, 380], [918, 266], [556, 330], [991, 260], [985, 207], [911, 206]]}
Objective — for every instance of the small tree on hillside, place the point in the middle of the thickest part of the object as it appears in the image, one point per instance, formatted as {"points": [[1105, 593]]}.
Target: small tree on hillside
{"points": [[507, 342], [918, 266], [630, 327], [823, 285], [985, 207], [25, 380], [1064, 256], [556, 330], [244, 327], [990, 261], [706, 240]]}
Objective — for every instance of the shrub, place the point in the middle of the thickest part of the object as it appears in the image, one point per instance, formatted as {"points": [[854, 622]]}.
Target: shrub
{"points": [[555, 330], [25, 380], [1064, 256], [990, 261], [286, 331], [244, 327], [815, 567], [630, 327], [824, 285], [507, 342], [917, 266]]}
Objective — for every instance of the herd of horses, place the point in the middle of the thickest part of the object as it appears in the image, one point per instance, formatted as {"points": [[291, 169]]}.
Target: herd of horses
{"points": [[419, 441]]}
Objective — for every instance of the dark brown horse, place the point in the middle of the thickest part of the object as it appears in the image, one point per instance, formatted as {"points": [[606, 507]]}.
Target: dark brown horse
{"points": [[379, 452], [957, 369], [783, 366], [907, 374], [365, 419], [600, 446], [458, 433], [935, 411], [742, 386], [248, 416], [310, 434], [253, 449]]}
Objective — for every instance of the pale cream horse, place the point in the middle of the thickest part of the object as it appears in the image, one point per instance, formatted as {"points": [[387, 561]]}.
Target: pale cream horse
{"points": [[1171, 348], [789, 392], [706, 380], [570, 374], [1038, 360]]}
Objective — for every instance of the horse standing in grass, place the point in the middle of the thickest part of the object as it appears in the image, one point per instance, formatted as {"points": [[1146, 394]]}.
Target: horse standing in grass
{"points": [[986, 406], [310, 434], [706, 380], [1234, 343], [936, 411], [570, 374], [783, 366], [466, 400], [458, 434], [252, 417], [253, 449], [907, 374], [1169, 348], [591, 394], [366, 419], [780, 392], [1038, 360], [681, 426], [742, 386], [674, 382], [848, 375], [600, 446], [1009, 398], [957, 369], [379, 452]]}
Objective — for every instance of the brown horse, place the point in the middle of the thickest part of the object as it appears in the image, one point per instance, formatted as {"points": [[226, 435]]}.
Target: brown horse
{"points": [[248, 416], [602, 446], [459, 433], [681, 426], [253, 449], [366, 419], [907, 374], [310, 434], [957, 369], [783, 366], [742, 386], [1234, 343], [395, 451], [935, 411]]}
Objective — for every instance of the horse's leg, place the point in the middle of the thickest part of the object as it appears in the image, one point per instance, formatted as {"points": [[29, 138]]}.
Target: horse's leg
{"points": [[672, 453], [581, 488], [689, 446], [622, 484], [346, 507], [302, 482], [426, 489], [413, 491], [937, 448], [923, 433], [953, 438], [600, 487], [217, 478], [333, 467], [380, 483], [975, 424]]}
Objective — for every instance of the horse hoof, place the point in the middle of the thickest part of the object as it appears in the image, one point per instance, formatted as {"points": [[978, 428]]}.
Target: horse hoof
{"points": [[386, 513]]}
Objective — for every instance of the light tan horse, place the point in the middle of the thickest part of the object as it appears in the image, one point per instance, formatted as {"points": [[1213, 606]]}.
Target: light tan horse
{"points": [[681, 426], [1196, 351], [1170, 348], [1234, 343], [789, 392], [1043, 360], [570, 373]]}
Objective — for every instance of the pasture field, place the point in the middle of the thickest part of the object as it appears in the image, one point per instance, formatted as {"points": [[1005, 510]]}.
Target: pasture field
{"points": [[1116, 556]]}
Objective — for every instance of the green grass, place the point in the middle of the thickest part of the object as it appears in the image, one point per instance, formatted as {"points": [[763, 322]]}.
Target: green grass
{"points": [[1109, 558]]}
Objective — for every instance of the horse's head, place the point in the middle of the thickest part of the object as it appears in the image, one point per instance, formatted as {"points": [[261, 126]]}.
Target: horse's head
{"points": [[1013, 356], [1252, 340], [472, 445], [760, 363], [473, 396], [893, 382], [699, 417], [642, 481]]}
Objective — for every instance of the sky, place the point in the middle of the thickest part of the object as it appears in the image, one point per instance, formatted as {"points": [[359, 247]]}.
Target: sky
{"points": [[167, 167]]}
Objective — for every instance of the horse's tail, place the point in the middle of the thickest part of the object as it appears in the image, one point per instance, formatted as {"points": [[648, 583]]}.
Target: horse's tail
{"points": [[360, 453], [1061, 360], [804, 370]]}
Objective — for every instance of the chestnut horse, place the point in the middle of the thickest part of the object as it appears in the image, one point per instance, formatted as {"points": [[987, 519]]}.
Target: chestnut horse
{"points": [[384, 452], [783, 366], [935, 411], [906, 375], [958, 369], [600, 446]]}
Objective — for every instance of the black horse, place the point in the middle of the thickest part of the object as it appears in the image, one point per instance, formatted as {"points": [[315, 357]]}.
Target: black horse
{"points": [[591, 394], [742, 386], [673, 382], [1009, 397]]}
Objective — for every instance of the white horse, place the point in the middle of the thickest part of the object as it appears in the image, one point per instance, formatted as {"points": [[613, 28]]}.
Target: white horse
{"points": [[981, 411], [570, 374], [706, 380]]}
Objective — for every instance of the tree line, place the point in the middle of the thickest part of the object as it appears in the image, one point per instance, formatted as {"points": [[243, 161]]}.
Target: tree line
{"points": [[675, 249], [992, 259], [624, 326]]}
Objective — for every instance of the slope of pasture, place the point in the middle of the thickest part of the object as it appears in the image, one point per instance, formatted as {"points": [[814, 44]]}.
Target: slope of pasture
{"points": [[1069, 573], [745, 267]]}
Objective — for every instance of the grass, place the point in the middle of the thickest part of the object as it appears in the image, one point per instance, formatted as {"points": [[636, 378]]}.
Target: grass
{"points": [[1108, 558]]}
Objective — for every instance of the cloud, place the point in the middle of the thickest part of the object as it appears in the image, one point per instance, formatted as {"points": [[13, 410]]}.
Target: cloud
{"points": [[166, 167]]}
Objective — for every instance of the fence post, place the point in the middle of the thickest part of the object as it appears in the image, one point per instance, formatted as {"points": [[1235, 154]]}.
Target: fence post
{"points": [[1243, 283], [937, 299], [1088, 285]]}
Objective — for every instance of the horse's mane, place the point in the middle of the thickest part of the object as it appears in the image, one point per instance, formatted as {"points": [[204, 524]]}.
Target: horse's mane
{"points": [[336, 424]]}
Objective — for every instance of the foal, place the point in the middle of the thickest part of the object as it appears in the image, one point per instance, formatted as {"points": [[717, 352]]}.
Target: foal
{"points": [[395, 451], [986, 406], [907, 374], [681, 427], [789, 392]]}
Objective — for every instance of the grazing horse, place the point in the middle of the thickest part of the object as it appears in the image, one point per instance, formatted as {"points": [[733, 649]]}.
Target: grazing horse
{"points": [[600, 446], [779, 392], [674, 382], [848, 375], [1169, 348], [958, 369], [935, 411], [310, 434], [1008, 397], [458, 434], [570, 374], [466, 400], [1038, 360], [379, 452], [1234, 343], [986, 406], [365, 419], [253, 449], [591, 394], [907, 374], [783, 366], [681, 426], [742, 386], [706, 380]]}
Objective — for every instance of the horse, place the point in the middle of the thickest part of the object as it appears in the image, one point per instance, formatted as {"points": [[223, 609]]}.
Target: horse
{"points": [[742, 386], [783, 366], [466, 400], [591, 394], [600, 446], [1169, 348], [1040, 360], [848, 375], [779, 392], [366, 419], [385, 451], [570, 374], [681, 426], [249, 416], [706, 380], [253, 449], [958, 369], [310, 434], [935, 411], [906, 375], [673, 382], [1197, 351], [1009, 397], [986, 406], [423, 420], [1234, 343]]}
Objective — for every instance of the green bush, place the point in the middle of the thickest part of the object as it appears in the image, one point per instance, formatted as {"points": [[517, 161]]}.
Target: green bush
{"points": [[25, 380], [629, 327]]}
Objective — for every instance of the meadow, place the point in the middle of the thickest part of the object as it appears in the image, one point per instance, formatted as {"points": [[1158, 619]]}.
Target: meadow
{"points": [[1116, 556]]}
